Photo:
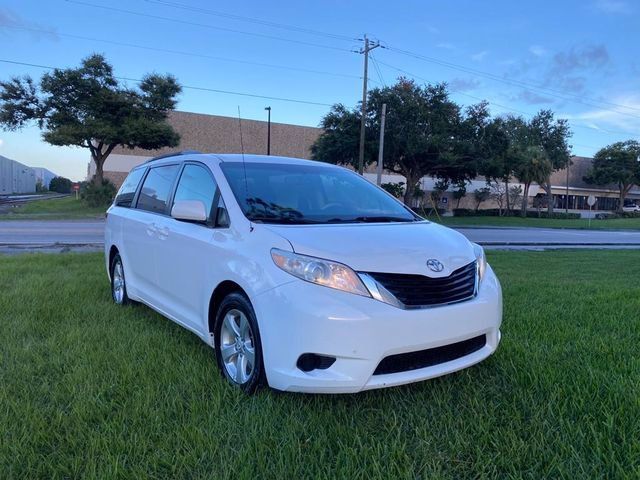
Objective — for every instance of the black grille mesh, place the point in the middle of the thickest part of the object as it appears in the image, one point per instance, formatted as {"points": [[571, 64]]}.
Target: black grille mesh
{"points": [[404, 362], [420, 290]]}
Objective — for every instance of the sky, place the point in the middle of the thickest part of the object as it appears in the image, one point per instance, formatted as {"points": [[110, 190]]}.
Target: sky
{"points": [[580, 59]]}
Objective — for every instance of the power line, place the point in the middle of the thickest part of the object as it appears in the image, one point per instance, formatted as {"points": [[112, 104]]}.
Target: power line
{"points": [[204, 25], [505, 107], [518, 83], [258, 21], [377, 69], [190, 87], [184, 53]]}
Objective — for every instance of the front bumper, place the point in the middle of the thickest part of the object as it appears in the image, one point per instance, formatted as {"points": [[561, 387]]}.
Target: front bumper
{"points": [[359, 332]]}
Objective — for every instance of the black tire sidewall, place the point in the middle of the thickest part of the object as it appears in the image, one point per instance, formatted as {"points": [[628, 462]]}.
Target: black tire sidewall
{"points": [[125, 297], [240, 302]]}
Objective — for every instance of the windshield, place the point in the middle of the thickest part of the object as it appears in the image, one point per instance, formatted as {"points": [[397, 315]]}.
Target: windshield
{"points": [[301, 194]]}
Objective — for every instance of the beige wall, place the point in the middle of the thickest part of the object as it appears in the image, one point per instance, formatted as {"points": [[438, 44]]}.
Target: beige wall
{"points": [[217, 134]]}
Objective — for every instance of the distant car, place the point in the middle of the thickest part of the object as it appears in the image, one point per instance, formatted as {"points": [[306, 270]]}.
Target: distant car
{"points": [[302, 275], [631, 207]]}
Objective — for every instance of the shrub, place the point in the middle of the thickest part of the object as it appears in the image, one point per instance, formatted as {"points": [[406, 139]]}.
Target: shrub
{"points": [[60, 185], [495, 212], [468, 212], [606, 216], [395, 189], [98, 196], [557, 215]]}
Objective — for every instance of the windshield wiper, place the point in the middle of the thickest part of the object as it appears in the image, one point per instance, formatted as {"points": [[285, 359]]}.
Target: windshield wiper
{"points": [[374, 219], [282, 220]]}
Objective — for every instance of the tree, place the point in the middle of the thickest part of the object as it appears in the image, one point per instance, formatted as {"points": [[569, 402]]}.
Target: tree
{"points": [[340, 138], [535, 167], [459, 192], [499, 195], [60, 185], [88, 107], [618, 163], [515, 195], [497, 163], [426, 133], [552, 136], [481, 195]]}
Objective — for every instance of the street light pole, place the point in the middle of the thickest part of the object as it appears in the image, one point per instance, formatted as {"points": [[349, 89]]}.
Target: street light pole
{"points": [[268, 109]]}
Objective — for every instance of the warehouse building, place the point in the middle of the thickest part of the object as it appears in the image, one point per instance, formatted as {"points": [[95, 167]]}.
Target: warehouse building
{"points": [[213, 133], [44, 176], [16, 177]]}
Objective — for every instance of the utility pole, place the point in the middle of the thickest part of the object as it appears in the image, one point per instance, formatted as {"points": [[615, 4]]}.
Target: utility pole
{"points": [[381, 148], [365, 51], [268, 130]]}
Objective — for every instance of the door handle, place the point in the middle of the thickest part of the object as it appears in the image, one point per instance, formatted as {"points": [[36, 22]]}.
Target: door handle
{"points": [[152, 229], [162, 232]]}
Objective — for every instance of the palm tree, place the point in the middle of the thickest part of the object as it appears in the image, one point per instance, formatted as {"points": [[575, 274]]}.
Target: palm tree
{"points": [[534, 166]]}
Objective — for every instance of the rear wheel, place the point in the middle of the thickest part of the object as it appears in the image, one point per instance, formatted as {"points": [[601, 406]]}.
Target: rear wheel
{"points": [[118, 282], [238, 346]]}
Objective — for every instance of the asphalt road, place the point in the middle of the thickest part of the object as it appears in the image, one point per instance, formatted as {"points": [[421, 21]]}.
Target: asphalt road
{"points": [[54, 235]]}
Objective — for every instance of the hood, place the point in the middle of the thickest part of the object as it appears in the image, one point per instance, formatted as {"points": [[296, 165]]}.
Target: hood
{"points": [[382, 247]]}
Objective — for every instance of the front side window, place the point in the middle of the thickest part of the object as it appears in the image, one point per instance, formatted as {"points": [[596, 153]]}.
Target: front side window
{"points": [[299, 194], [156, 188], [196, 183], [127, 191]]}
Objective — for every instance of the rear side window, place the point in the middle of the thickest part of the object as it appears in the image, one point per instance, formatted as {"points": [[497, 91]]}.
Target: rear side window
{"points": [[156, 188], [128, 189], [196, 183]]}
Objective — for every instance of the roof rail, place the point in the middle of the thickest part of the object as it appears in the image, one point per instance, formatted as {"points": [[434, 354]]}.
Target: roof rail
{"points": [[173, 154]]}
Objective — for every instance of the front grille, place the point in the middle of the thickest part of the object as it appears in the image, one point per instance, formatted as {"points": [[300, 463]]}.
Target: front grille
{"points": [[405, 362], [422, 291]]}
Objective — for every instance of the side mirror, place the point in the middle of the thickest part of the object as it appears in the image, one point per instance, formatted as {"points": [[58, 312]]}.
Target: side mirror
{"points": [[189, 210]]}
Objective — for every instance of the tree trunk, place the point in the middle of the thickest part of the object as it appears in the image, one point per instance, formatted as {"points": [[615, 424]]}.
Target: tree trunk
{"points": [[99, 176], [506, 186], [547, 188], [525, 200], [408, 194], [624, 189]]}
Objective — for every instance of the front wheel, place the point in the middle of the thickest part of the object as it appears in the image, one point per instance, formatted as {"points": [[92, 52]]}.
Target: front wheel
{"points": [[238, 346]]}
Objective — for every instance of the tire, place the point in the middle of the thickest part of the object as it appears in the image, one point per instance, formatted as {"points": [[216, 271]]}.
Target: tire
{"points": [[118, 282], [238, 346]]}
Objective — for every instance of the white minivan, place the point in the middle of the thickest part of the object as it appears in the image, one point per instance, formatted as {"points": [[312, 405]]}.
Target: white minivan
{"points": [[303, 276]]}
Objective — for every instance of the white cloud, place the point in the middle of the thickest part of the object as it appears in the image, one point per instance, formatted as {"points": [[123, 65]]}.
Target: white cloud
{"points": [[537, 50], [622, 118], [478, 57], [446, 46], [1, 142], [612, 6]]}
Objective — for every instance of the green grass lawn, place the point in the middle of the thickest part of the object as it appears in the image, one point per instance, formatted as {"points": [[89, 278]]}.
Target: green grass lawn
{"points": [[53, 209], [91, 390], [616, 223]]}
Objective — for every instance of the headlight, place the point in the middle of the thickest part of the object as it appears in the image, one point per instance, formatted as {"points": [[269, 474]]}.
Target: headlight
{"points": [[481, 260], [321, 272]]}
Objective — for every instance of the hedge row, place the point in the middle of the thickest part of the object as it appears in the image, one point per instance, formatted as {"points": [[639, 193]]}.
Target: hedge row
{"points": [[494, 212], [612, 215]]}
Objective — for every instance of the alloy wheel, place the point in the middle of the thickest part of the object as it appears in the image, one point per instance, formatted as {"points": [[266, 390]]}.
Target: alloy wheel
{"points": [[118, 287], [237, 347]]}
